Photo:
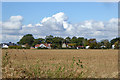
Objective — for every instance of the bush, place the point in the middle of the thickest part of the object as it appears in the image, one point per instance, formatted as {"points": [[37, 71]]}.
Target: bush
{"points": [[18, 47], [15, 47], [42, 48], [68, 48]]}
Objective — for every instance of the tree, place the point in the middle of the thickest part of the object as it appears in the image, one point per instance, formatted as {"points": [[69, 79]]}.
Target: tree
{"points": [[99, 44], [38, 41], [27, 39], [67, 40], [117, 44], [80, 41], [74, 39], [92, 43], [85, 42], [58, 41], [114, 40], [106, 43], [49, 39]]}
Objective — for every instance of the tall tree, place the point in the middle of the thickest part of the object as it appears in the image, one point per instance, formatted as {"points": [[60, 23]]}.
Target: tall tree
{"points": [[74, 39], [117, 44], [49, 39], [92, 43], [58, 41], [67, 40], [114, 40], [106, 43], [80, 41], [38, 41], [27, 39]]}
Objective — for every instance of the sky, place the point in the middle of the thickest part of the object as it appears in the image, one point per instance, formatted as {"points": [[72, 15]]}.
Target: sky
{"points": [[81, 19]]}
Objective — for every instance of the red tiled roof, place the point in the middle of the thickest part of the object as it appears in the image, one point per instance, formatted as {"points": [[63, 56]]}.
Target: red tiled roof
{"points": [[80, 46], [47, 45], [37, 45]]}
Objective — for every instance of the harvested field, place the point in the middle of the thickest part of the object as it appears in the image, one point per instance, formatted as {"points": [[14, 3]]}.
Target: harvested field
{"points": [[60, 63]]}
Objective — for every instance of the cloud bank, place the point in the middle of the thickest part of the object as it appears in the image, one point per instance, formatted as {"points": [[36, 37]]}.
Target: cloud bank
{"points": [[58, 25]]}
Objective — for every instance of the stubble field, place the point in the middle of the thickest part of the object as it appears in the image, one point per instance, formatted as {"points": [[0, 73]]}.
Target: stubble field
{"points": [[27, 63]]}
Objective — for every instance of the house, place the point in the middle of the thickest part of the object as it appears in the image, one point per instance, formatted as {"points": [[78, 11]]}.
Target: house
{"points": [[32, 48], [64, 45], [87, 47], [43, 46], [71, 45], [5, 46], [103, 46], [80, 47], [23, 46], [113, 46], [48, 45]]}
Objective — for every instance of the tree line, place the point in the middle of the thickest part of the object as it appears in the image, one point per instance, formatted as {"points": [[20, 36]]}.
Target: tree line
{"points": [[57, 42]]}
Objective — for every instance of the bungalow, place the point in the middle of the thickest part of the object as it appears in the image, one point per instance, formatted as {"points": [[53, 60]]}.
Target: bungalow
{"points": [[87, 47], [5, 46], [32, 48], [80, 47], [71, 45], [64, 45], [113, 46], [43, 46], [103, 46], [23, 46]]}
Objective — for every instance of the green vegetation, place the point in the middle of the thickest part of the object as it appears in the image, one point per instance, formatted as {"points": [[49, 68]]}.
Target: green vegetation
{"points": [[18, 47], [73, 42], [27, 39]]}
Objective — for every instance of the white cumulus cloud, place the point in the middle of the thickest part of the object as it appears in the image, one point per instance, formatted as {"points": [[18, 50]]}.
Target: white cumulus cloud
{"points": [[15, 22], [58, 25]]}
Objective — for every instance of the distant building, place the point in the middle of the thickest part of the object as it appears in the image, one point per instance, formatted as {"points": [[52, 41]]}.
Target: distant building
{"points": [[23, 46], [103, 46], [64, 45], [6, 45], [113, 46], [71, 45], [32, 48], [43, 46], [80, 47], [87, 47]]}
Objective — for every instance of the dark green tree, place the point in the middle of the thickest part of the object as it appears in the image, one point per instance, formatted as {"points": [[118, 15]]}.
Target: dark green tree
{"points": [[58, 41], [80, 41], [99, 44], [67, 40], [49, 39], [27, 39], [117, 45], [106, 43], [92, 43], [114, 40], [38, 41], [74, 40]]}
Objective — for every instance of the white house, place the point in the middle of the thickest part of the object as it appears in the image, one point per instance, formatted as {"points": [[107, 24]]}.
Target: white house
{"points": [[113, 46], [23, 46], [5, 46], [43, 46], [103, 46], [64, 45], [87, 47]]}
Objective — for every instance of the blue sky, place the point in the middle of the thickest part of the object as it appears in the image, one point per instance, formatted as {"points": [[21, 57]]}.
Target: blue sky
{"points": [[82, 19], [33, 12]]}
